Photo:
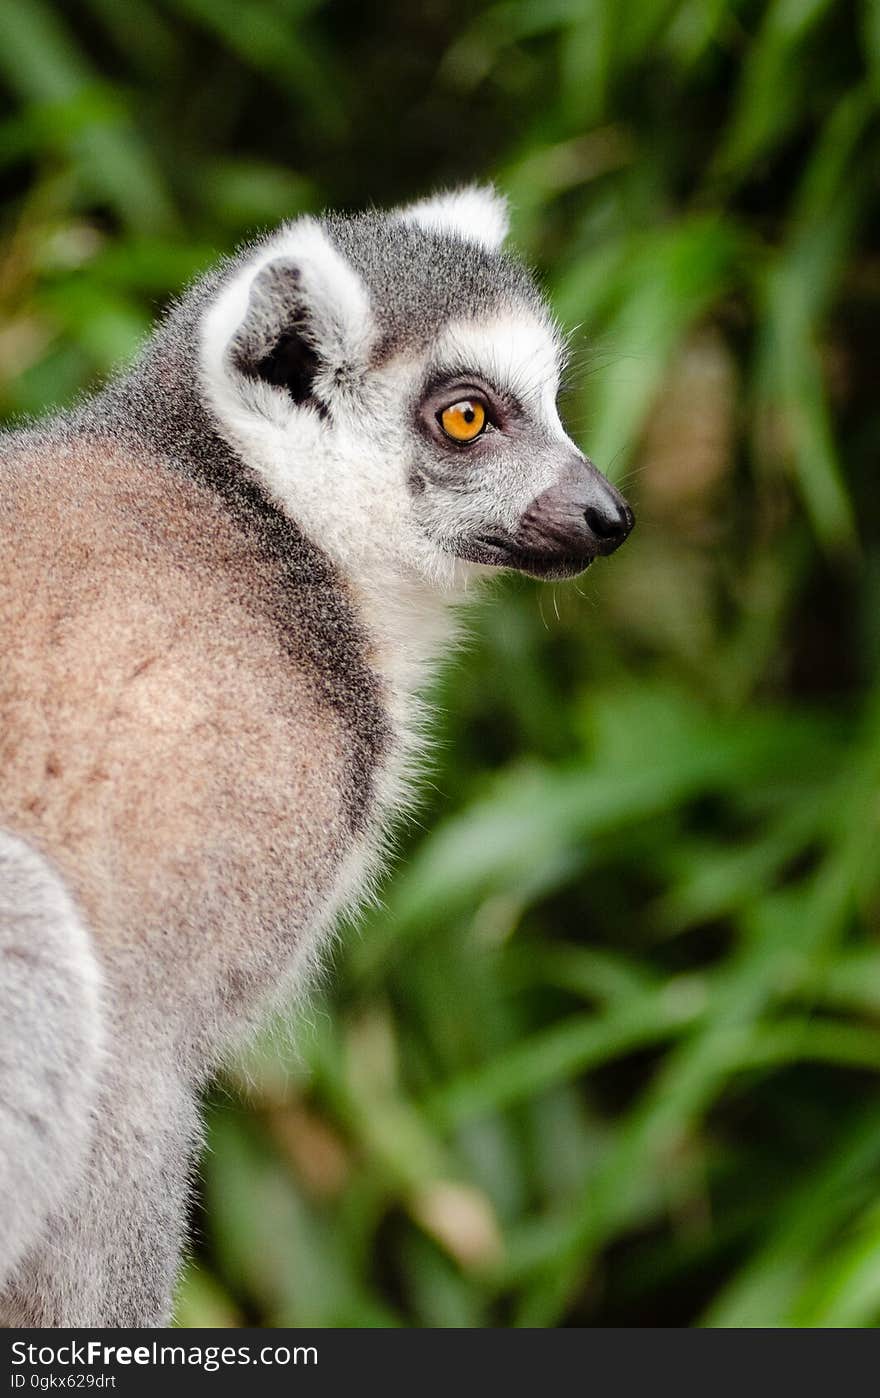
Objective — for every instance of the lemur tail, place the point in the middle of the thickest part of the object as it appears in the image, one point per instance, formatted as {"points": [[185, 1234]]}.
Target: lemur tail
{"points": [[50, 1047]]}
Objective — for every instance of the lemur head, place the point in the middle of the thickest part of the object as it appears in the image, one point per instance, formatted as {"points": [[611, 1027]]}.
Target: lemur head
{"points": [[393, 380]]}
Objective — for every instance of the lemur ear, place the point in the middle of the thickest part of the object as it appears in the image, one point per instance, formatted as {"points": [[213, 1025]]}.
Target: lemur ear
{"points": [[297, 318], [475, 212]]}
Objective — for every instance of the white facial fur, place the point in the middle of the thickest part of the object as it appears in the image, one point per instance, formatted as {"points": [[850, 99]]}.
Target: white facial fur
{"points": [[521, 355], [343, 477]]}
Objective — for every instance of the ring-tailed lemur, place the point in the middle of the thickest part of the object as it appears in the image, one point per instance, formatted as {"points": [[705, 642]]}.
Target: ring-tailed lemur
{"points": [[221, 582]]}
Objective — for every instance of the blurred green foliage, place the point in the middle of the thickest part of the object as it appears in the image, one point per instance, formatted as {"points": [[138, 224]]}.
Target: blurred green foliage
{"points": [[608, 1052]]}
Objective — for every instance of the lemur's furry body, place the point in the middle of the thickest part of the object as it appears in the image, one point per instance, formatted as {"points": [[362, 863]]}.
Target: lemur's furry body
{"points": [[206, 700]]}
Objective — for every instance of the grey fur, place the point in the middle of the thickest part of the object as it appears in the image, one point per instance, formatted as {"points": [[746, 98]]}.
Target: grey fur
{"points": [[203, 724], [419, 280]]}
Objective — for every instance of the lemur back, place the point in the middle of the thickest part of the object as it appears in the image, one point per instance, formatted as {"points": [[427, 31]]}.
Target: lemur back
{"points": [[135, 755], [221, 583]]}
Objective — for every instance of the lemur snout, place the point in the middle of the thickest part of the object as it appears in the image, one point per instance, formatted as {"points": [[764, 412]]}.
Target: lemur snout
{"points": [[574, 521]]}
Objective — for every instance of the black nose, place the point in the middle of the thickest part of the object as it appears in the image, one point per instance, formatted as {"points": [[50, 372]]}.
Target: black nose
{"points": [[609, 520]]}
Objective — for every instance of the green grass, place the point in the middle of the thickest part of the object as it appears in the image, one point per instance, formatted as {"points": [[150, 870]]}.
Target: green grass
{"points": [[609, 1050]]}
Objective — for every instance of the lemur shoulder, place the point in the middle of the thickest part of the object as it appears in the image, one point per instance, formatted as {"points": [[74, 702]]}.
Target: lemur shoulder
{"points": [[222, 580]]}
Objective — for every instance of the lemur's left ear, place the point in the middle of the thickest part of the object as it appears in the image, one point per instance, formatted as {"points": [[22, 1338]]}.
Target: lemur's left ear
{"points": [[296, 318], [475, 212]]}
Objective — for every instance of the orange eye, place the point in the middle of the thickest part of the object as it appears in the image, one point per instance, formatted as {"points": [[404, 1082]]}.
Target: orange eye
{"points": [[463, 421]]}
